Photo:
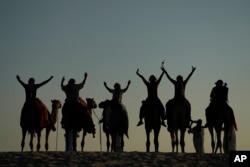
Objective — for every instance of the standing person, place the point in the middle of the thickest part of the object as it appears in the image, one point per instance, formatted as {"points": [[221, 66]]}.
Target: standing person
{"points": [[32, 102], [179, 95], [152, 99], [71, 111], [198, 136]]}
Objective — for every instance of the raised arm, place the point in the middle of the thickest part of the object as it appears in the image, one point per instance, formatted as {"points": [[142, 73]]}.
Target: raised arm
{"points": [[159, 79], [62, 81], [44, 82], [125, 89], [105, 84], [191, 73], [143, 79], [170, 79], [19, 80], [85, 77]]}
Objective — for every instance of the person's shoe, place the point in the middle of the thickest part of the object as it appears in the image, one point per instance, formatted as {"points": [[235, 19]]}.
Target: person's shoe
{"points": [[139, 123]]}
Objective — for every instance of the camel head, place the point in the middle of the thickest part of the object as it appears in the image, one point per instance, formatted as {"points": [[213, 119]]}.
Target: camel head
{"points": [[56, 104], [91, 103]]}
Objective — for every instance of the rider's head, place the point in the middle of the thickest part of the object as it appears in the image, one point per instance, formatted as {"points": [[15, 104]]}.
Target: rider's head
{"points": [[179, 78], [219, 82], [152, 79], [117, 86], [31, 81], [71, 81]]}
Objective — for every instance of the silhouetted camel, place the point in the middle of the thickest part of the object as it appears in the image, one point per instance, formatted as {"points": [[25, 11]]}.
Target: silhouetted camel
{"points": [[31, 124], [78, 117], [117, 123], [178, 120], [152, 122], [221, 115], [88, 125]]}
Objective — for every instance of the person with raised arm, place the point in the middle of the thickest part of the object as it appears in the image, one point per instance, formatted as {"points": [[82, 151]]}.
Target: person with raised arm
{"points": [[152, 99], [179, 95]]}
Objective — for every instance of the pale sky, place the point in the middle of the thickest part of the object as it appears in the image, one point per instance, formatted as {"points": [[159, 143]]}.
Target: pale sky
{"points": [[111, 39]]}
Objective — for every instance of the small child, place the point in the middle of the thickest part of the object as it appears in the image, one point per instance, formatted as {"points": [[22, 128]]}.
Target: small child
{"points": [[198, 136]]}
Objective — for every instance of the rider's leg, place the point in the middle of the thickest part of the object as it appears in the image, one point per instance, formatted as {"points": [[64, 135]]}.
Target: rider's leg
{"points": [[142, 114]]}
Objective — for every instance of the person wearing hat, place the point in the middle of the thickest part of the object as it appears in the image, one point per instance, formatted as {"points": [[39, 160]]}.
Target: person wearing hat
{"points": [[218, 96]]}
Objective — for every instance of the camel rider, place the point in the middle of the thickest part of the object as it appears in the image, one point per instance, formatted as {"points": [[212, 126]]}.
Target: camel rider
{"points": [[219, 93], [218, 96], [152, 99], [116, 104], [72, 102], [179, 85], [117, 93], [32, 102]]}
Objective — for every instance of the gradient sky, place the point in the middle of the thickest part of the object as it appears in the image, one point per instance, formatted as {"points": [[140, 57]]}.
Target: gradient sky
{"points": [[111, 39]]}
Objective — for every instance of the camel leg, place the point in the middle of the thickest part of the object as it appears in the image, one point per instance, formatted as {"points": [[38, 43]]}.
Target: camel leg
{"points": [[113, 144], [83, 139], [148, 141], [24, 131], [122, 142], [47, 139], [108, 141], [74, 140], [176, 140], [173, 139], [38, 146], [212, 138], [67, 140], [31, 140], [219, 143], [182, 142], [156, 142]]}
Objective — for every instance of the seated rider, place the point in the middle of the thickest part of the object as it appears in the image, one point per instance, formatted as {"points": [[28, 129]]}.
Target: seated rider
{"points": [[117, 94], [179, 85], [152, 99], [73, 102], [218, 96], [32, 102]]}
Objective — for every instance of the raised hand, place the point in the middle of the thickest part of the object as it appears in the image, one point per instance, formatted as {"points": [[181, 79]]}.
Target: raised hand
{"points": [[85, 75]]}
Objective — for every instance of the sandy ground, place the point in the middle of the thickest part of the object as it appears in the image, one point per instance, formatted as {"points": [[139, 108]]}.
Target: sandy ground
{"points": [[99, 159]]}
